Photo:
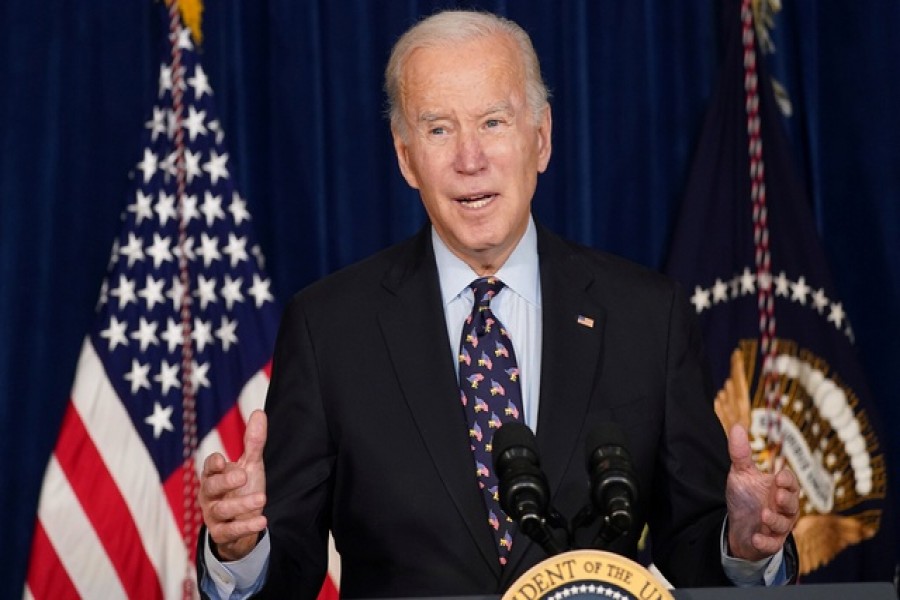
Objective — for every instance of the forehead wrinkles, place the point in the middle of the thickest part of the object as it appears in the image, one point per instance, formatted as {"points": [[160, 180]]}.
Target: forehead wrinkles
{"points": [[431, 75]]}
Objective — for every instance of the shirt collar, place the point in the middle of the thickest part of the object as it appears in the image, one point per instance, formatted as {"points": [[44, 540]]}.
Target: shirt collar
{"points": [[519, 273]]}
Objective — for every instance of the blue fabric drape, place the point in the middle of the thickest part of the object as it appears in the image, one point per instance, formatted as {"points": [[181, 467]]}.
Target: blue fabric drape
{"points": [[298, 85]]}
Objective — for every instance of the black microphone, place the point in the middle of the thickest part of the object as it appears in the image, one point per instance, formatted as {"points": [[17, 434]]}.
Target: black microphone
{"points": [[613, 482], [523, 488]]}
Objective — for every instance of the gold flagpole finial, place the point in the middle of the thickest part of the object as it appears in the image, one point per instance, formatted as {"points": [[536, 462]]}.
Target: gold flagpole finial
{"points": [[191, 15]]}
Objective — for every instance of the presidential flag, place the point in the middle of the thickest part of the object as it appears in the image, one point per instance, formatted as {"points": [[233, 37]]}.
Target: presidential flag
{"points": [[177, 358], [780, 340]]}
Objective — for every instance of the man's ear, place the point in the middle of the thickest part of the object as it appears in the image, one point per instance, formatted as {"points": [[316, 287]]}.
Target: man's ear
{"points": [[544, 129], [402, 150]]}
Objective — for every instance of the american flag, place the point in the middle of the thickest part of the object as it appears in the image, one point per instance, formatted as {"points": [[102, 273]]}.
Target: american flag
{"points": [[177, 358]]}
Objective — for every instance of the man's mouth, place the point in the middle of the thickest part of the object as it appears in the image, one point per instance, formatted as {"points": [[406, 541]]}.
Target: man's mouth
{"points": [[476, 201]]}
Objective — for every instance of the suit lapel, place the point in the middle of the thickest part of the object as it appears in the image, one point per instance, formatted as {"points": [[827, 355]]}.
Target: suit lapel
{"points": [[572, 344], [416, 335]]}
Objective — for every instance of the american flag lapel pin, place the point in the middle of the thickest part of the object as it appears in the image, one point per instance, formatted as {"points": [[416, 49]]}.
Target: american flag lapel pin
{"points": [[585, 321]]}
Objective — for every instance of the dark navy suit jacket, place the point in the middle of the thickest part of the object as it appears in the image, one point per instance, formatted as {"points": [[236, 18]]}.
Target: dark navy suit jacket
{"points": [[367, 436]]}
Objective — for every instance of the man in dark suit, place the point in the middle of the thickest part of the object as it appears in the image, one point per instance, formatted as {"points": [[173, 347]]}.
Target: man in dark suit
{"points": [[364, 435]]}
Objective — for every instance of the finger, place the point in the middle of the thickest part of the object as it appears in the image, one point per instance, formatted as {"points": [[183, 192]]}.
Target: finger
{"points": [[235, 508], [786, 479], [255, 437], [767, 544], [787, 502], [214, 463], [231, 479], [231, 531], [777, 524], [739, 449]]}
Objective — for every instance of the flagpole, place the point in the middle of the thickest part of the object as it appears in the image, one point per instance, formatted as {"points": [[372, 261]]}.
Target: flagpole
{"points": [[762, 254], [191, 521]]}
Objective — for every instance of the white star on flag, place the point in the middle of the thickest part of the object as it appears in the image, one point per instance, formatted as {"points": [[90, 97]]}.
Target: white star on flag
{"points": [[212, 208], [152, 292], [236, 249], [160, 419], [148, 165], [134, 250], [141, 207], [215, 166]]}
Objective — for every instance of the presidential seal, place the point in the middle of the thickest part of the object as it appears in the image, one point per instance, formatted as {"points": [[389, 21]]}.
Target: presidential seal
{"points": [[587, 574]]}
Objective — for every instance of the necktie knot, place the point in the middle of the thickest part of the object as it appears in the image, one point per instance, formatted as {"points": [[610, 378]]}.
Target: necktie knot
{"points": [[485, 288]]}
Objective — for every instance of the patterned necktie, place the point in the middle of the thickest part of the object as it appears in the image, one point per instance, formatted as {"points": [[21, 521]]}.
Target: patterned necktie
{"points": [[490, 395]]}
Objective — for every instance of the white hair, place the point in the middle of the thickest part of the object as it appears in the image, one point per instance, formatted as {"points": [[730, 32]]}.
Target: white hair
{"points": [[455, 26]]}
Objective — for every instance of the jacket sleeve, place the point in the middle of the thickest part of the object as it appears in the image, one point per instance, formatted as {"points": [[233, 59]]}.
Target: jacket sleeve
{"points": [[689, 504], [299, 459]]}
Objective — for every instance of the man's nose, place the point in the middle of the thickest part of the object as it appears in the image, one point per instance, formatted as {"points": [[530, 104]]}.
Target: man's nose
{"points": [[470, 157]]}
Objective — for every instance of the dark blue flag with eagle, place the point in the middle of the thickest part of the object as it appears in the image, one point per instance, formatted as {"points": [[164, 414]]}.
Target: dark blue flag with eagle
{"points": [[780, 342]]}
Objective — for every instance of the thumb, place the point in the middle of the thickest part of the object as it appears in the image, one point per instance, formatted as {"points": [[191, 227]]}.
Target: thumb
{"points": [[739, 449], [254, 438]]}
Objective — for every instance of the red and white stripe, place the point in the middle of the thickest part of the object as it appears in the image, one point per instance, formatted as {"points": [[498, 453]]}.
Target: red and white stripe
{"points": [[107, 526]]}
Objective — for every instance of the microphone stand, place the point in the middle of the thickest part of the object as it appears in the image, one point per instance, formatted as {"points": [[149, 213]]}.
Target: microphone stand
{"points": [[610, 529], [543, 531]]}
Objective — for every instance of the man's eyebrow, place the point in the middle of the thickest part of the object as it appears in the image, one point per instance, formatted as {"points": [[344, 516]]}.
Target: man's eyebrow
{"points": [[499, 107], [430, 117], [502, 107]]}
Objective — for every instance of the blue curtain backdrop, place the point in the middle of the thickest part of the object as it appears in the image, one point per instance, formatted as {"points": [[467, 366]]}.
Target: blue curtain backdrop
{"points": [[298, 84]]}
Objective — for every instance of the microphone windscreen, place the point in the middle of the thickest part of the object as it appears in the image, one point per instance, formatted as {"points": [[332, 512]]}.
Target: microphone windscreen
{"points": [[605, 434], [512, 435]]}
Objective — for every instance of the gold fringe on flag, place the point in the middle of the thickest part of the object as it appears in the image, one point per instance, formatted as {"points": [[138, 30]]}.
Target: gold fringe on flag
{"points": [[192, 16]]}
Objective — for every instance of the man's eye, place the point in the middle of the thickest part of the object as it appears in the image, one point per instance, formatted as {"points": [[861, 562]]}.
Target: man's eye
{"points": [[490, 123], [437, 131]]}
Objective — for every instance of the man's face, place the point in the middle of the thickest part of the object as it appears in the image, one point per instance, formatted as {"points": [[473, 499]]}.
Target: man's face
{"points": [[472, 146]]}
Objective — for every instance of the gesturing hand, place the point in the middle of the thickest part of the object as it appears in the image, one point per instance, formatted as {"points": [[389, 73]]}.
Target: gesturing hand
{"points": [[762, 508], [232, 495]]}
